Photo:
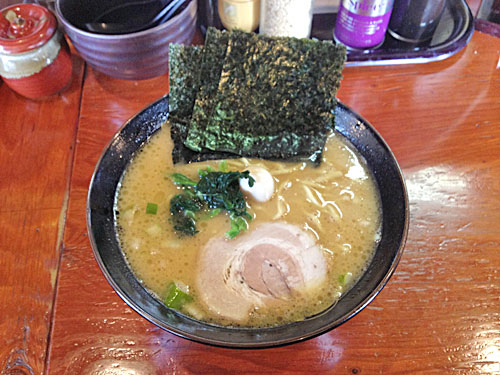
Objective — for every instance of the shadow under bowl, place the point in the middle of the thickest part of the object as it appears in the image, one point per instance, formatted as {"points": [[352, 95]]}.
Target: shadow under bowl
{"points": [[101, 224], [134, 56]]}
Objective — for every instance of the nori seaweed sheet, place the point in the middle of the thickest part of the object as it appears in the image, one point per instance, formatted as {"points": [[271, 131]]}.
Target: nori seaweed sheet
{"points": [[184, 84], [184, 79], [214, 52], [275, 98], [193, 69]]}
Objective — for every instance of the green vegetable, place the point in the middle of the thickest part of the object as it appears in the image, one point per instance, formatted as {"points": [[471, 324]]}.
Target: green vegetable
{"points": [[215, 191], [176, 298], [211, 213], [183, 209], [180, 179], [342, 279], [151, 208], [204, 172], [222, 190], [223, 167], [345, 279], [238, 224]]}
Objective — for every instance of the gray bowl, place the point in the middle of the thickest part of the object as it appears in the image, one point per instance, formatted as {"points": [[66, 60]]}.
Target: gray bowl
{"points": [[101, 226], [133, 56]]}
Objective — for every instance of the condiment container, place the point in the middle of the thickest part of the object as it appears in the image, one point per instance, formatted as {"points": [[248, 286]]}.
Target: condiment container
{"points": [[415, 21], [286, 18], [34, 57], [229, 14], [239, 14], [362, 24], [208, 15]]}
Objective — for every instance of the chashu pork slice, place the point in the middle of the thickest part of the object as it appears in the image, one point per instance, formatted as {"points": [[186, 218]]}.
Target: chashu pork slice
{"points": [[272, 262]]}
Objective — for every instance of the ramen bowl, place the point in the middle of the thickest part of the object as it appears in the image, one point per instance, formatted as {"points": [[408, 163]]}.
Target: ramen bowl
{"points": [[132, 56], [102, 228]]}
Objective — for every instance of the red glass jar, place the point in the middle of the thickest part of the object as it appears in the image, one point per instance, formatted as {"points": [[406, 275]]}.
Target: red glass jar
{"points": [[34, 57]]}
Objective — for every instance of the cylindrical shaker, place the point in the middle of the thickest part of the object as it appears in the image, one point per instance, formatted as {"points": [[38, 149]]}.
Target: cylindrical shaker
{"points": [[239, 14], [286, 18], [34, 57], [362, 24], [229, 14]]}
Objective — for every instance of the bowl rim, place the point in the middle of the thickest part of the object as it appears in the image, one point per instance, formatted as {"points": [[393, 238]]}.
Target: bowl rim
{"points": [[257, 331], [171, 22]]}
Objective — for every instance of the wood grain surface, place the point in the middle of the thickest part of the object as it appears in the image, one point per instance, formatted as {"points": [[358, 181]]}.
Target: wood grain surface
{"points": [[37, 139], [439, 313]]}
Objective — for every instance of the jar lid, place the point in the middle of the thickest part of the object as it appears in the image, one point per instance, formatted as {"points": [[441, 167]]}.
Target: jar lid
{"points": [[24, 27]]}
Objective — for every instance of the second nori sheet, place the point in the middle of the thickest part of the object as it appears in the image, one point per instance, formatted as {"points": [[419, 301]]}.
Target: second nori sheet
{"points": [[184, 84], [194, 73], [184, 80], [275, 98], [214, 52]]}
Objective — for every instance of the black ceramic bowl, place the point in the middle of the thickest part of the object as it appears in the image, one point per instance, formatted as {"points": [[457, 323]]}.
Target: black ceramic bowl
{"points": [[102, 230]]}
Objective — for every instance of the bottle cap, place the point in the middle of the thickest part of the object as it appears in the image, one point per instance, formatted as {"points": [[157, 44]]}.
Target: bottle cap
{"points": [[24, 27]]}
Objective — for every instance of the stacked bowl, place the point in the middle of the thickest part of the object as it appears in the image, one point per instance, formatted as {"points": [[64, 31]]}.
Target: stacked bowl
{"points": [[131, 56]]}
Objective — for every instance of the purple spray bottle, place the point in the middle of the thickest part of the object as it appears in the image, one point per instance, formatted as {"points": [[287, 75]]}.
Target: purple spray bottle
{"points": [[362, 24]]}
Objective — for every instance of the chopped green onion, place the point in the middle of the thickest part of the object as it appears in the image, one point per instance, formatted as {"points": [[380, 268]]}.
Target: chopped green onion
{"points": [[342, 279], [151, 208], [248, 216], [204, 172], [176, 298], [345, 279], [180, 179], [238, 224], [223, 167]]}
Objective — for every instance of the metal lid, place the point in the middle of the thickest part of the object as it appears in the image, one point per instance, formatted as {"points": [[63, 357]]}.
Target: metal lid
{"points": [[24, 27]]}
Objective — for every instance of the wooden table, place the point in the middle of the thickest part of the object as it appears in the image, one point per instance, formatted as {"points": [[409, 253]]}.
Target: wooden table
{"points": [[439, 313]]}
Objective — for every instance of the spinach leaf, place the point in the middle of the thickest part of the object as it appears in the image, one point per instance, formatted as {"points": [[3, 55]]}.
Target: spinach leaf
{"points": [[183, 209], [222, 190], [215, 191]]}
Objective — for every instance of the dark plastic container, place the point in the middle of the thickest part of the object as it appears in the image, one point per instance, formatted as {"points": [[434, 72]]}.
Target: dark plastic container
{"points": [[415, 21]]}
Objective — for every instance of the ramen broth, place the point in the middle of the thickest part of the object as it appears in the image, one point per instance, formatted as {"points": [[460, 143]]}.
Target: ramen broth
{"points": [[337, 203]]}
